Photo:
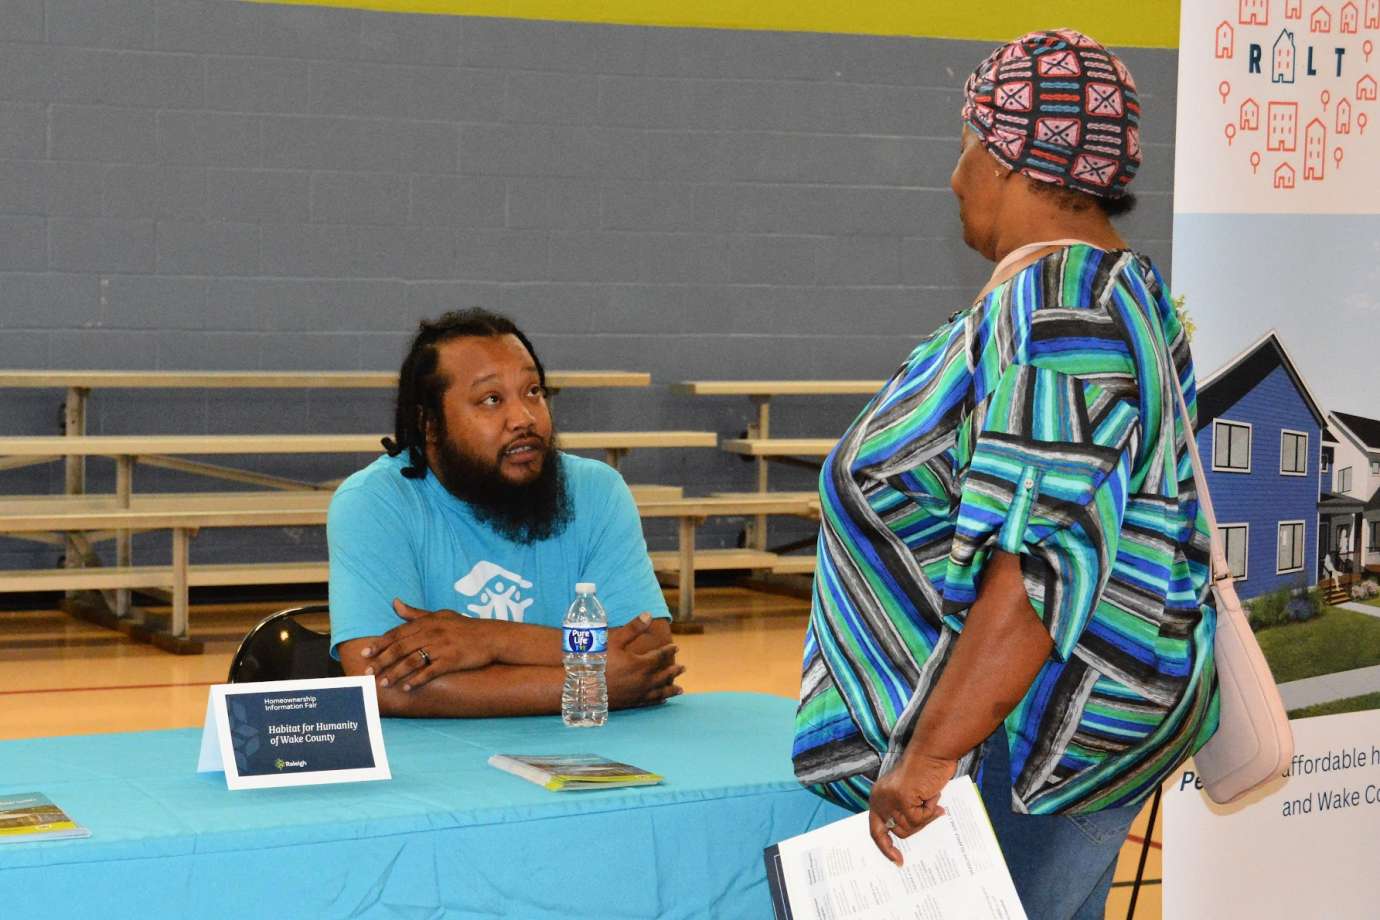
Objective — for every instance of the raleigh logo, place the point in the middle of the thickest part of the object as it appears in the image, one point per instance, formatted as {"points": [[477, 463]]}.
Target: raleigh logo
{"points": [[283, 764]]}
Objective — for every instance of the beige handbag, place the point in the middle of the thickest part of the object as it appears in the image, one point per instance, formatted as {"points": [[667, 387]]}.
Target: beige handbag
{"points": [[1253, 743]]}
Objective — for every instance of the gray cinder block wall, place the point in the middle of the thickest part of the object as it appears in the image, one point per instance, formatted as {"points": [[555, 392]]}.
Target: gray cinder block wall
{"points": [[218, 184]]}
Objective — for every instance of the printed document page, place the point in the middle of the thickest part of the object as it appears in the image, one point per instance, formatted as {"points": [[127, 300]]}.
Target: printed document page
{"points": [[953, 869]]}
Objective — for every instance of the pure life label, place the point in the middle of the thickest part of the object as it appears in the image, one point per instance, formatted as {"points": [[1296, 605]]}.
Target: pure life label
{"points": [[582, 640]]}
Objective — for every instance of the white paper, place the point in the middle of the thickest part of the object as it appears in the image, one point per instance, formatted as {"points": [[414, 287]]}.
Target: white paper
{"points": [[217, 748], [953, 869]]}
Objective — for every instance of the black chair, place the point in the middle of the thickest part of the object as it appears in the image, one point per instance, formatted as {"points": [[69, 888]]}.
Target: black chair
{"points": [[280, 648]]}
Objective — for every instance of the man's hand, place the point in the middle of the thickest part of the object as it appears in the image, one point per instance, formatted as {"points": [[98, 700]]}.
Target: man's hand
{"points": [[429, 644], [906, 799], [641, 667]]}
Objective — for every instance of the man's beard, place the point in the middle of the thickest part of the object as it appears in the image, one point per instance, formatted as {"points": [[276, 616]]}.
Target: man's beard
{"points": [[519, 512]]}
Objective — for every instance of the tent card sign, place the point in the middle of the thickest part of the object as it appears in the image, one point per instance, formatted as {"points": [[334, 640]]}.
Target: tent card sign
{"points": [[294, 733]]}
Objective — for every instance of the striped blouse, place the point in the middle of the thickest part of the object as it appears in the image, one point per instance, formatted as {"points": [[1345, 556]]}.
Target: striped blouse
{"points": [[1041, 422]]}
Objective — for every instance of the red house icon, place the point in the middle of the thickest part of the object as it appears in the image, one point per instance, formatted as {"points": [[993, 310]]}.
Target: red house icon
{"points": [[1250, 115], [1254, 12], [1226, 40], [1321, 20], [1373, 14], [1282, 132], [1284, 176], [1365, 89], [1344, 117], [1293, 9], [1350, 18], [1315, 151]]}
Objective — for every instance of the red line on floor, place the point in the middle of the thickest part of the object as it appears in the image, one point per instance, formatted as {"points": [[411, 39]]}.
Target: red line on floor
{"points": [[1134, 839], [195, 683]]}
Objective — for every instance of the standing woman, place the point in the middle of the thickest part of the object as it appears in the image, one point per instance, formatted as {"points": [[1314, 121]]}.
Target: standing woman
{"points": [[1013, 566]]}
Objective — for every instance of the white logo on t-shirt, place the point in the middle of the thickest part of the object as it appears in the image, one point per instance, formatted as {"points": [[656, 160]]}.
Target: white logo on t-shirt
{"points": [[498, 592]]}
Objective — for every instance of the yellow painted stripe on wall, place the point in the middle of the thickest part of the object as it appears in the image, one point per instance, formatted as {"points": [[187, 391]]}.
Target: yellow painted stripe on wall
{"points": [[1142, 23]]}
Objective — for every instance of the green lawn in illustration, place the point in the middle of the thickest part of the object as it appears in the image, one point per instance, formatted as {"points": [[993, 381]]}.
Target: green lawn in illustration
{"points": [[1339, 640], [1352, 704]]}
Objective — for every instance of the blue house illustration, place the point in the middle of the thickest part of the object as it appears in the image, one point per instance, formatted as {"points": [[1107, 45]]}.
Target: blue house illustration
{"points": [[1260, 437]]}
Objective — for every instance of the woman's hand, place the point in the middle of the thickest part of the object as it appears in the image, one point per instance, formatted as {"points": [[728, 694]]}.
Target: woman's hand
{"points": [[907, 798]]}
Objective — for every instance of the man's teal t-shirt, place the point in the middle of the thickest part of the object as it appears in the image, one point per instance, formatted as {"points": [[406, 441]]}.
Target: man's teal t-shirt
{"points": [[391, 536]]}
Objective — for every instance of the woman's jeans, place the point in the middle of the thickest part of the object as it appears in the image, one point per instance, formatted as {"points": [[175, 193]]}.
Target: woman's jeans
{"points": [[1062, 864]]}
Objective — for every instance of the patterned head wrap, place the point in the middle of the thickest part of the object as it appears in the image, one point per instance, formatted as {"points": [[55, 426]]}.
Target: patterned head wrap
{"points": [[1058, 107]]}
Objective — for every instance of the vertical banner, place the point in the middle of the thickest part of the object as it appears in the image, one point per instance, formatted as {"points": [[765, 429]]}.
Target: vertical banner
{"points": [[1277, 258]]}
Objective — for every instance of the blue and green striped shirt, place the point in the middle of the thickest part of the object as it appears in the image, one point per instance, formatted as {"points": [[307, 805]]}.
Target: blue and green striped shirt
{"points": [[1041, 422]]}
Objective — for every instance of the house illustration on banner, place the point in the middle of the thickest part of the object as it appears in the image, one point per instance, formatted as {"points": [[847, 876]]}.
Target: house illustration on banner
{"points": [[1321, 20], [1282, 58], [1350, 17], [1293, 9], [1254, 12], [1250, 115], [1365, 89], [1373, 14], [1344, 117], [1282, 131], [1315, 151], [1259, 435], [1285, 177], [1226, 40]]}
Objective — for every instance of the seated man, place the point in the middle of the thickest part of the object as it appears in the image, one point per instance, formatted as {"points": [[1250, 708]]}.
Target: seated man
{"points": [[454, 556]]}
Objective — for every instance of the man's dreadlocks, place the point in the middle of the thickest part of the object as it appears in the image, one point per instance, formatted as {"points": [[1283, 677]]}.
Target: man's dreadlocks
{"points": [[420, 385]]}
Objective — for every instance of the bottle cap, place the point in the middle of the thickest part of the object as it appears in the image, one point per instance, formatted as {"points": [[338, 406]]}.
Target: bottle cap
{"points": [[584, 587]]}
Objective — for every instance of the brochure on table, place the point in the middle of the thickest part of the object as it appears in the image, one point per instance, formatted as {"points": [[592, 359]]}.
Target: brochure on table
{"points": [[33, 816], [294, 733], [574, 772], [953, 868]]}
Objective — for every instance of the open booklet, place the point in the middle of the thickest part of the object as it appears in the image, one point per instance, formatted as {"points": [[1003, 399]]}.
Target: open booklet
{"points": [[953, 870], [33, 816], [560, 772]]}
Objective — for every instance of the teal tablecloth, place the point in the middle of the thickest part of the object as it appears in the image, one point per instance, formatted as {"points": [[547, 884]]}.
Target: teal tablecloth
{"points": [[448, 836]]}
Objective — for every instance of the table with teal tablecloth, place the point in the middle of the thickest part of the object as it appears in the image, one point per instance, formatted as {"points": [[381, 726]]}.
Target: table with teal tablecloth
{"points": [[448, 836]]}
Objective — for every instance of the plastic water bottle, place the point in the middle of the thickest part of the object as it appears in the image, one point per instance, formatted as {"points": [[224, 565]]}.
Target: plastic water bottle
{"points": [[585, 642]]}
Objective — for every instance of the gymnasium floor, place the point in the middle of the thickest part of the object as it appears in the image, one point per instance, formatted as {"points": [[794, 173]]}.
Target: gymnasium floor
{"points": [[60, 676]]}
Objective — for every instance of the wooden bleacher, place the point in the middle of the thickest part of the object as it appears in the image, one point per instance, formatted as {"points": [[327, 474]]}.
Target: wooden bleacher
{"points": [[80, 384], [81, 519], [767, 389], [40, 514], [758, 445], [169, 451], [780, 447], [173, 452], [279, 380]]}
